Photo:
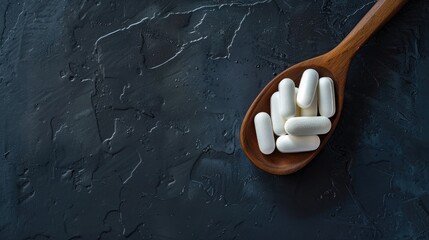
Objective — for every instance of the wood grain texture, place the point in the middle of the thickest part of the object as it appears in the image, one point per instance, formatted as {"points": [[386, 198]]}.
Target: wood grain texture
{"points": [[334, 64]]}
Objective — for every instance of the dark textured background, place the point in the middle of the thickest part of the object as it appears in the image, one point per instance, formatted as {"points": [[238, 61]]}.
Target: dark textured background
{"points": [[120, 119]]}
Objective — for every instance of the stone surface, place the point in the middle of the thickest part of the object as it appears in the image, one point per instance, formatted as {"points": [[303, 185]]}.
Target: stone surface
{"points": [[120, 119]]}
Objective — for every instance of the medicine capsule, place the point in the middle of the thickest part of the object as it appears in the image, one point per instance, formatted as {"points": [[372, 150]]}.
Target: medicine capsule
{"points": [[305, 126], [294, 144], [326, 97], [277, 120], [264, 133], [287, 98], [312, 110], [307, 88]]}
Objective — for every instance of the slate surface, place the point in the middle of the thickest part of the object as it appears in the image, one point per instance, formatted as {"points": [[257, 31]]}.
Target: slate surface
{"points": [[120, 120]]}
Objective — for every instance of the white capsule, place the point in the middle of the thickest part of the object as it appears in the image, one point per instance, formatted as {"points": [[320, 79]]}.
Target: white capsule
{"points": [[264, 133], [307, 88], [305, 126], [294, 144], [312, 110], [287, 98], [276, 118], [326, 97]]}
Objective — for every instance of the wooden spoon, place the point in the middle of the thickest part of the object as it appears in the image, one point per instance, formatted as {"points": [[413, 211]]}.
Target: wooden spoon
{"points": [[334, 64]]}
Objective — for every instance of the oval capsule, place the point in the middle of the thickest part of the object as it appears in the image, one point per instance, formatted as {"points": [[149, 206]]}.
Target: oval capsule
{"points": [[287, 98], [326, 97], [307, 88], [277, 120], [312, 110], [305, 126], [294, 144], [264, 133]]}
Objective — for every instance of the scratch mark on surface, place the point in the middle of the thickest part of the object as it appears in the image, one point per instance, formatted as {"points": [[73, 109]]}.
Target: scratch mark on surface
{"points": [[178, 13], [119, 30], [121, 97], [64, 125], [218, 6], [173, 57], [233, 37], [178, 52], [134, 169], [199, 23], [356, 11]]}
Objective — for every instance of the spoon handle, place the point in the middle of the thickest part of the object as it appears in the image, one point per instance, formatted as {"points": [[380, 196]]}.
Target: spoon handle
{"points": [[376, 17]]}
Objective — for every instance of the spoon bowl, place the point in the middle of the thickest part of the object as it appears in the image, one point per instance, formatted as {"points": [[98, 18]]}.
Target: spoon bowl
{"points": [[285, 163], [334, 64]]}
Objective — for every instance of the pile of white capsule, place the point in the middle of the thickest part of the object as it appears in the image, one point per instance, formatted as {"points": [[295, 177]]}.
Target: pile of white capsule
{"points": [[294, 115]]}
